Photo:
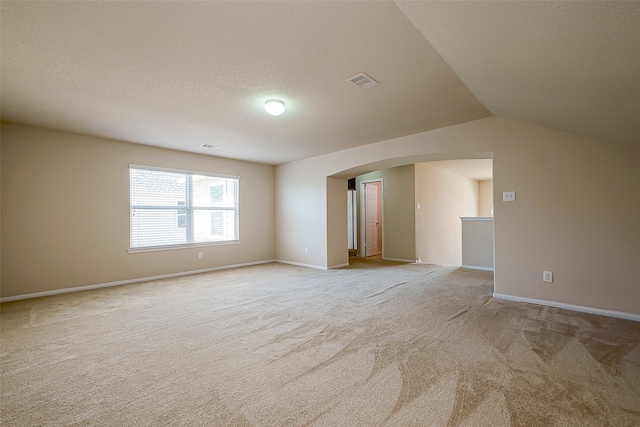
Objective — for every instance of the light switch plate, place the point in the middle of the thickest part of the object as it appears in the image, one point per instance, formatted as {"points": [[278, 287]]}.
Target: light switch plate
{"points": [[508, 196]]}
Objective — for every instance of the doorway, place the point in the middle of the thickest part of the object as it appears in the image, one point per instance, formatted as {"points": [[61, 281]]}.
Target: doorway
{"points": [[372, 218]]}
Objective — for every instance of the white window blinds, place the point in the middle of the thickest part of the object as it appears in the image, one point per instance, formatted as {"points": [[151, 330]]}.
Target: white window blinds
{"points": [[176, 208]]}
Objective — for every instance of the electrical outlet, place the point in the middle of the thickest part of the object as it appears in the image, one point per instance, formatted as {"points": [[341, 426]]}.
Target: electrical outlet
{"points": [[200, 255], [306, 250], [508, 196], [547, 276]]}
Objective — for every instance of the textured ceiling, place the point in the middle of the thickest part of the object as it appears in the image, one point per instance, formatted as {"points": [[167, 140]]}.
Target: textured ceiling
{"points": [[182, 74], [179, 74], [573, 66], [478, 169]]}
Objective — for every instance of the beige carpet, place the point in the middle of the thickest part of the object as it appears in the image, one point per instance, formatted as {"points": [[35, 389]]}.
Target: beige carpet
{"points": [[378, 343]]}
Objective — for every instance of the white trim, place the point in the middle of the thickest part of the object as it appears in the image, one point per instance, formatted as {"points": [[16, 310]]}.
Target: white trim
{"points": [[185, 246], [130, 281], [476, 218], [339, 266], [182, 171], [189, 209], [412, 261], [299, 264], [581, 308], [476, 267]]}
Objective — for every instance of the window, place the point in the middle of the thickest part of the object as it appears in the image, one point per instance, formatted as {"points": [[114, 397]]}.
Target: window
{"points": [[170, 208]]}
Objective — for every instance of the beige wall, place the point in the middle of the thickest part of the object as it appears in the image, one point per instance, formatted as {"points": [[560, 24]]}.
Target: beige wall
{"points": [[477, 243], [301, 201], [575, 214], [444, 197], [398, 227], [485, 197], [65, 216], [0, 215], [337, 216]]}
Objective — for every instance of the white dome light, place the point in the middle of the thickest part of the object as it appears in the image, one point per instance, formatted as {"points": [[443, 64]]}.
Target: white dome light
{"points": [[275, 107]]}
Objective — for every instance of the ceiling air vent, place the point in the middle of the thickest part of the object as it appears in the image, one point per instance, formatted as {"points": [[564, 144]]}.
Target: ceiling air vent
{"points": [[363, 81]]}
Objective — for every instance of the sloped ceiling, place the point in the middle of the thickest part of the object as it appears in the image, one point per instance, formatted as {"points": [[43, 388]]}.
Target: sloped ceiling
{"points": [[182, 74], [478, 169], [573, 66]]}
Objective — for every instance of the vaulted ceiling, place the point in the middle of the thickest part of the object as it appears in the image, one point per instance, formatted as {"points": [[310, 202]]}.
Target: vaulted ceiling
{"points": [[183, 74]]}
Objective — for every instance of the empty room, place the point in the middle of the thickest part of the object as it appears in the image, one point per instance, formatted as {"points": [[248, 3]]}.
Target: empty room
{"points": [[262, 213]]}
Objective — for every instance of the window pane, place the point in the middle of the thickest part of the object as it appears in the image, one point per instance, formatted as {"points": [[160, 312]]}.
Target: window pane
{"points": [[214, 192], [157, 188], [175, 208], [214, 226], [156, 227]]}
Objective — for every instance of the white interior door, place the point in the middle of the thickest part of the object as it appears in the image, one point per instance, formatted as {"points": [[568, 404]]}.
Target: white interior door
{"points": [[372, 219]]}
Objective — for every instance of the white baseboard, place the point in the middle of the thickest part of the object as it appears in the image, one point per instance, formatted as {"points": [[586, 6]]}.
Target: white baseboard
{"points": [[339, 266], [299, 264], [332, 267], [581, 308], [128, 282], [412, 261], [475, 267]]}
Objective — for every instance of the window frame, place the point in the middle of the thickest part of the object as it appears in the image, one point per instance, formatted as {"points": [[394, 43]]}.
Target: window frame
{"points": [[188, 207]]}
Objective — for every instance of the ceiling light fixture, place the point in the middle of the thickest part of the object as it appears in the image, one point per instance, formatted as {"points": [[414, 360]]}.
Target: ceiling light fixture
{"points": [[275, 107]]}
